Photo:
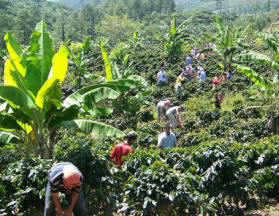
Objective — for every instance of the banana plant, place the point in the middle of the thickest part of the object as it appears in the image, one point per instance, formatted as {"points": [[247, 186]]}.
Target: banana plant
{"points": [[270, 61], [32, 109], [229, 42], [114, 72], [174, 39], [79, 60]]}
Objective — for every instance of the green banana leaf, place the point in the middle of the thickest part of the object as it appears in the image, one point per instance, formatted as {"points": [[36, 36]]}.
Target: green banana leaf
{"points": [[94, 96], [65, 114], [92, 127], [107, 62], [100, 111], [254, 76], [46, 51], [8, 123], [8, 138], [258, 58], [17, 97], [121, 86]]}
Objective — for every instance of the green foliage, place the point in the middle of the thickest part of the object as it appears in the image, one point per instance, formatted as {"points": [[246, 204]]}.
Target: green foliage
{"points": [[24, 184], [229, 42], [40, 106], [174, 40]]}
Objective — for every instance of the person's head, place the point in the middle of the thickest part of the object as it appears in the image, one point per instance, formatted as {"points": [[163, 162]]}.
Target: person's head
{"points": [[131, 137], [71, 177], [181, 108], [167, 128], [167, 103]]}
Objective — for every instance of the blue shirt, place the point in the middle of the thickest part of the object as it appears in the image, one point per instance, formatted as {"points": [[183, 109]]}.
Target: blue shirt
{"points": [[189, 60], [203, 76]]}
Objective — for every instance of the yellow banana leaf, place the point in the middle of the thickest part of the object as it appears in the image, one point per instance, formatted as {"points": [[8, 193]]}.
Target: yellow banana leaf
{"points": [[58, 73], [14, 53]]}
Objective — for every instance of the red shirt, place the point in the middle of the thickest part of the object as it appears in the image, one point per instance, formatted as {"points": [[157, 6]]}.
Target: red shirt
{"points": [[216, 81], [120, 150]]}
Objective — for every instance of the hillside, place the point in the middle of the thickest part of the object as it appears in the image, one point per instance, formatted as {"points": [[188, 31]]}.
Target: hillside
{"points": [[77, 3], [237, 6], [76, 82]]}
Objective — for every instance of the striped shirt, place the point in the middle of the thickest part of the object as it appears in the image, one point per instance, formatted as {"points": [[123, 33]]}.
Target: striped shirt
{"points": [[56, 179]]}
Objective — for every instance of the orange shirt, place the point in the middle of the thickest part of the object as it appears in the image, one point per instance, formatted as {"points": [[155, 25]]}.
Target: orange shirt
{"points": [[120, 150]]}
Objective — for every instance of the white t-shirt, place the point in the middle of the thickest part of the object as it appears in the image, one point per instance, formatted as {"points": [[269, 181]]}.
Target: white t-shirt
{"points": [[161, 75], [172, 110], [161, 104], [167, 141]]}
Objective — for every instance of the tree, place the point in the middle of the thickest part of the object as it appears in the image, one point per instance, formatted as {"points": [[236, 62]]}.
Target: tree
{"points": [[174, 40], [25, 20], [33, 107], [229, 43], [117, 28]]}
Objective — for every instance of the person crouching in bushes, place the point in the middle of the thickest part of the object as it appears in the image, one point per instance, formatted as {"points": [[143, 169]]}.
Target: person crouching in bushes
{"points": [[215, 82], [180, 79], [123, 149], [174, 116], [161, 109], [167, 139], [218, 100], [65, 178]]}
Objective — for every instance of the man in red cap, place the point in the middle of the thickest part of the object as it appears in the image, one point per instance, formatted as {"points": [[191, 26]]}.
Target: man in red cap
{"points": [[123, 149], [65, 178]]}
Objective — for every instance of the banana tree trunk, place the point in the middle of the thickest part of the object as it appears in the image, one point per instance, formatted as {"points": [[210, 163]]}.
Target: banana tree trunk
{"points": [[52, 141]]}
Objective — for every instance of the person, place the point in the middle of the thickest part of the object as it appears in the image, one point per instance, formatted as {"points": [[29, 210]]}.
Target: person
{"points": [[229, 76], [215, 82], [123, 149], [161, 78], [202, 74], [190, 73], [202, 57], [218, 100], [174, 116], [66, 178], [194, 52], [166, 139], [189, 60], [161, 108], [179, 81], [224, 78]]}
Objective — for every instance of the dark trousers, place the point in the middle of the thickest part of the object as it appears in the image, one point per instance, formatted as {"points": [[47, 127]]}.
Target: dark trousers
{"points": [[79, 209]]}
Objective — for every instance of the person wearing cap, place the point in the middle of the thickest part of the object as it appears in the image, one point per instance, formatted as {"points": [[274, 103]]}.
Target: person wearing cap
{"points": [[65, 178], [174, 116], [166, 139], [123, 149], [161, 108]]}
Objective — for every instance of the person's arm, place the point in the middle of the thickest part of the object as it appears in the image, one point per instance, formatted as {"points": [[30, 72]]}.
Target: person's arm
{"points": [[57, 204], [160, 142], [74, 199]]}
